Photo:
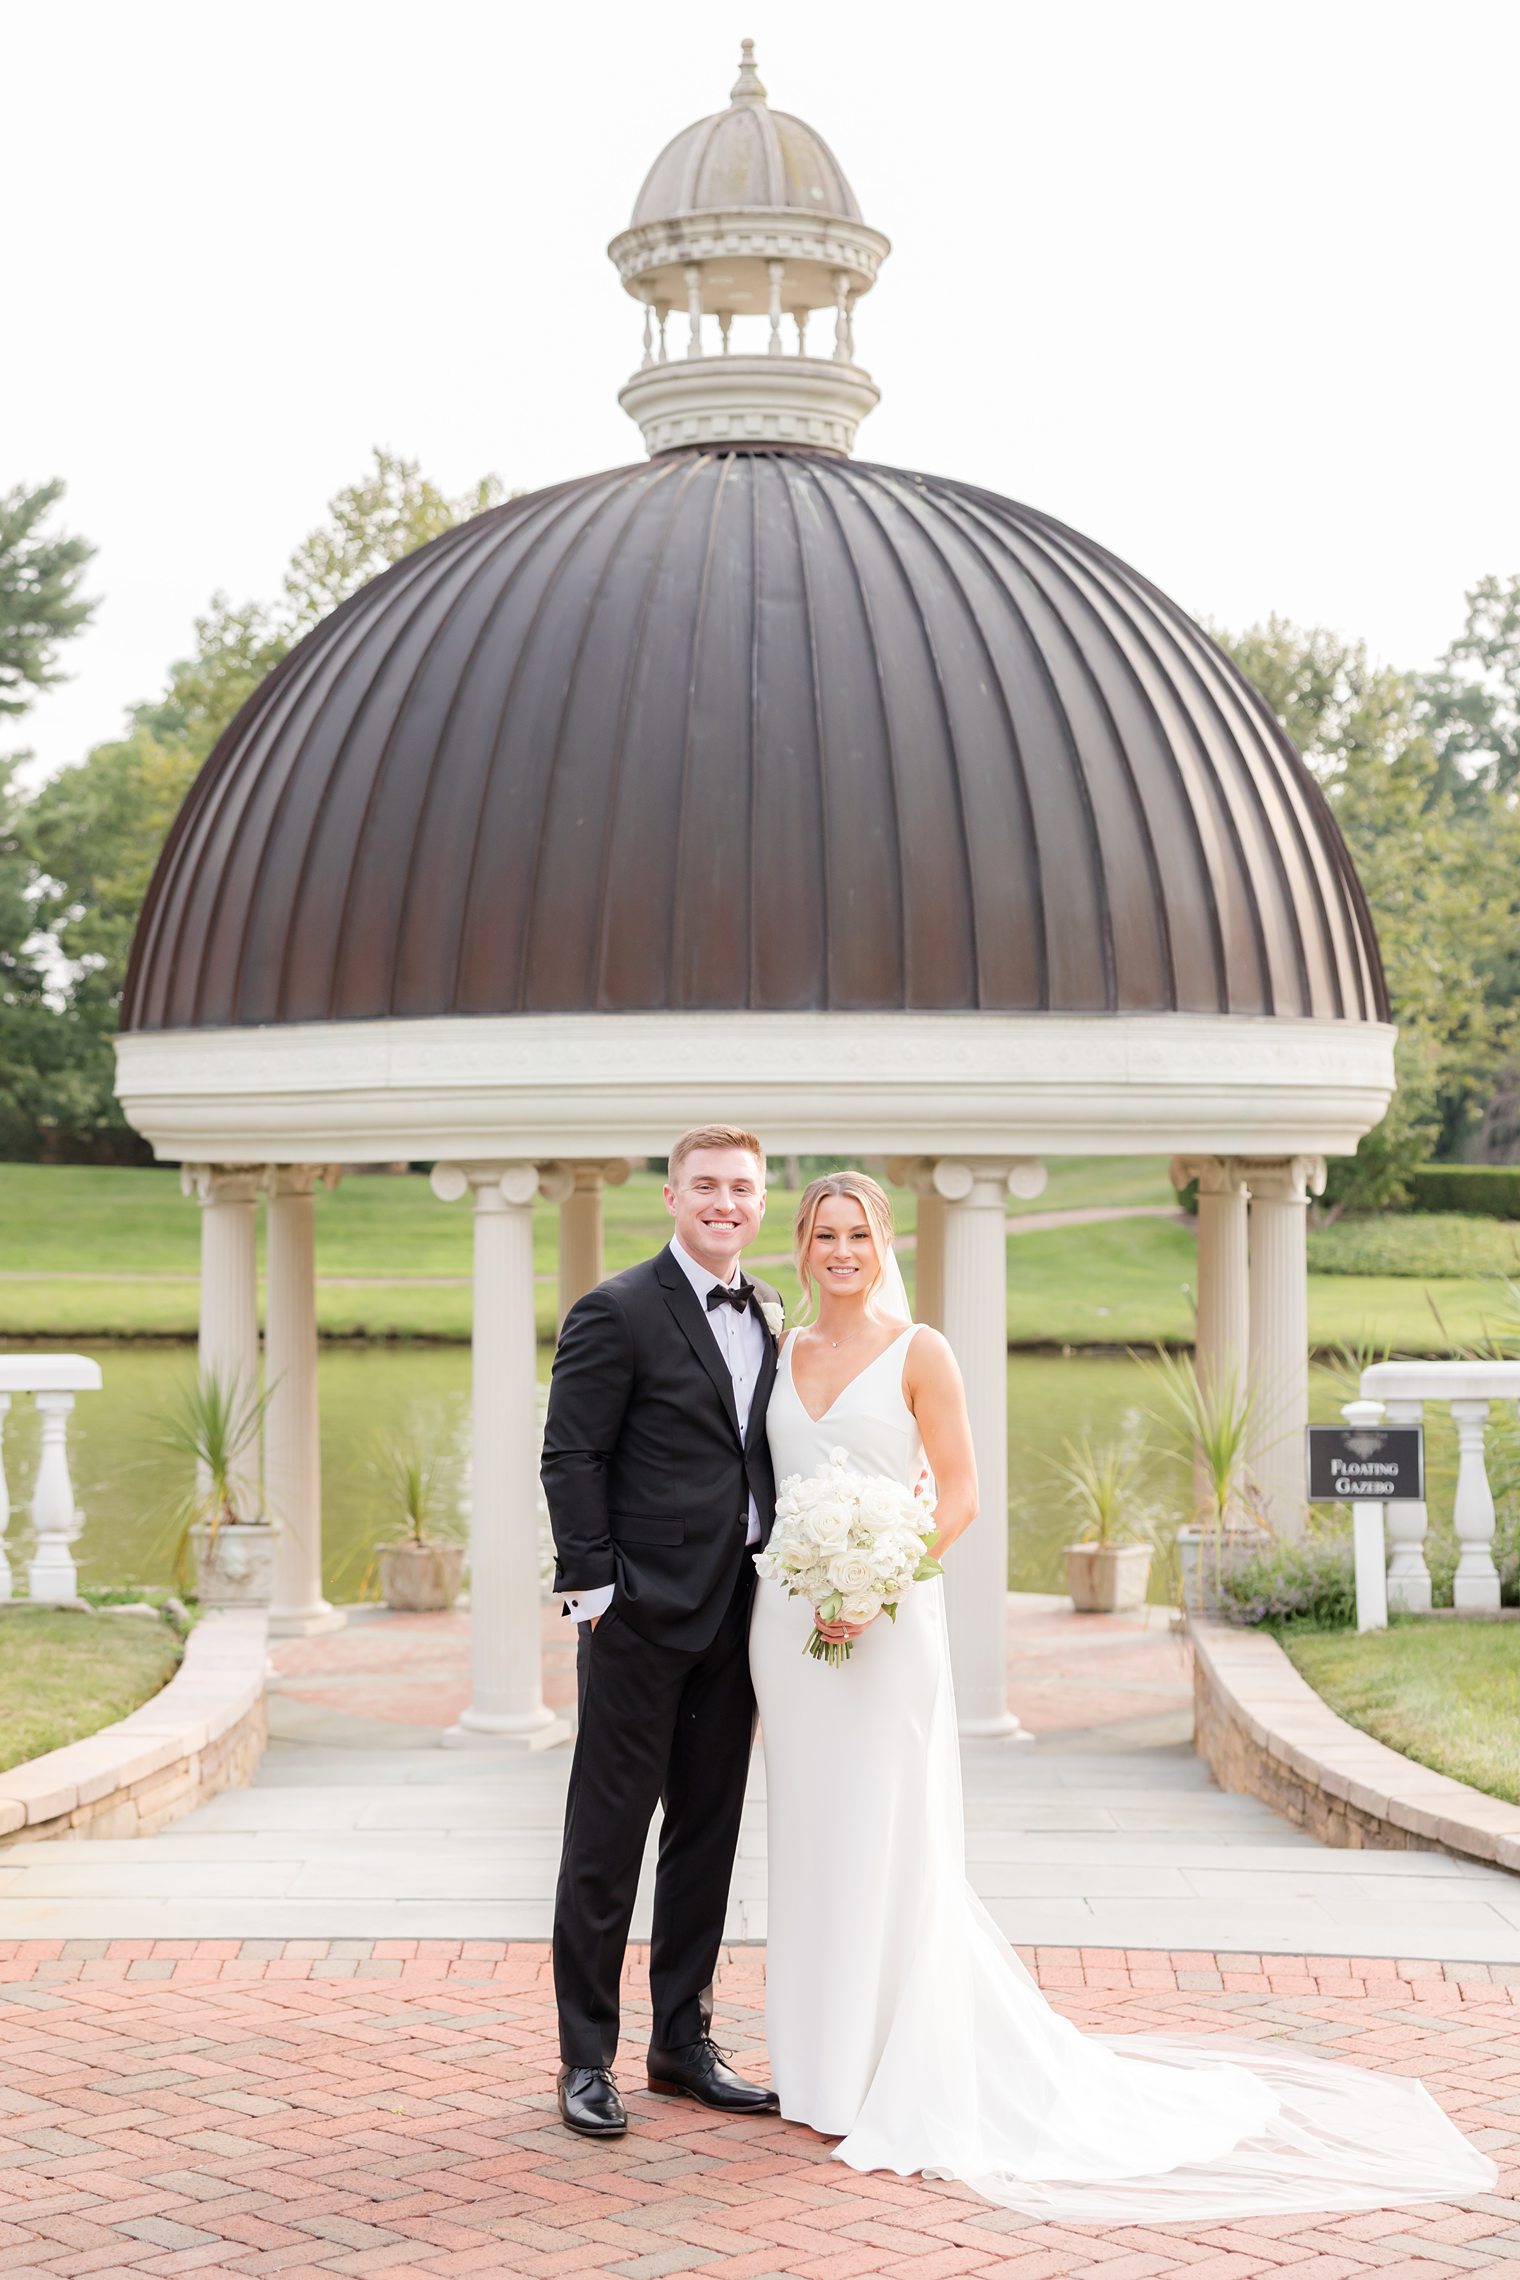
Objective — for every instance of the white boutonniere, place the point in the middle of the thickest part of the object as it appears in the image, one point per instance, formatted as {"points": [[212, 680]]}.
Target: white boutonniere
{"points": [[773, 1315]]}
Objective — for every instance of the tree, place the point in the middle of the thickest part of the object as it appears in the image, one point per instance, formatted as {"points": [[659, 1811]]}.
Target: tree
{"points": [[94, 831], [1439, 872], [39, 594], [1470, 706]]}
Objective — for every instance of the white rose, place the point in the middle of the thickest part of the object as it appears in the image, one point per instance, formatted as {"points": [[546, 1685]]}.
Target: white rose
{"points": [[829, 1528], [850, 1572], [859, 1607], [773, 1315]]}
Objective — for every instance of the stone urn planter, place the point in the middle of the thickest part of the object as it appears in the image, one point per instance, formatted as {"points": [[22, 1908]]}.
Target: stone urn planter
{"points": [[1206, 1553], [234, 1565], [1107, 1579], [420, 1579]]}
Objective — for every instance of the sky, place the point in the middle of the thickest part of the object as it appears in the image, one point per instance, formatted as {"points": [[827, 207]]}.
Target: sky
{"points": [[1229, 287]]}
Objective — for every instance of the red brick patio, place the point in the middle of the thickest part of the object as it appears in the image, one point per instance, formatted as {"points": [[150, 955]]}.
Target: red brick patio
{"points": [[312, 2107]]}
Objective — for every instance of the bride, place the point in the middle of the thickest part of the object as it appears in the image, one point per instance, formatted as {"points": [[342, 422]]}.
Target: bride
{"points": [[898, 2017]]}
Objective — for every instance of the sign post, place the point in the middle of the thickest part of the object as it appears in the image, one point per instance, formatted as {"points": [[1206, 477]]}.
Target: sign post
{"points": [[1366, 1464]]}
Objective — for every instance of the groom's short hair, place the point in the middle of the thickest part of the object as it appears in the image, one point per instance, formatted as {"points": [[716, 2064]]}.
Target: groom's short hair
{"points": [[714, 1136]]}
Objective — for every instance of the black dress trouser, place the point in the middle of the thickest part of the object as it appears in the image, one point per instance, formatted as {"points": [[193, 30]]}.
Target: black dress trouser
{"points": [[657, 1726]]}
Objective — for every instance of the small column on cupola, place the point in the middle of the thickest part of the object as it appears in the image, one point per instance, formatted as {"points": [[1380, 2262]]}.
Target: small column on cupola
{"points": [[747, 219]]}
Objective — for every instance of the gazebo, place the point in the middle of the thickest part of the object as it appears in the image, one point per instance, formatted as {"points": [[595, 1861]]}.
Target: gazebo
{"points": [[755, 782]]}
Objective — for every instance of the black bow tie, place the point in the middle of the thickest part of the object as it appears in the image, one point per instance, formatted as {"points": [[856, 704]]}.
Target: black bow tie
{"points": [[735, 1295]]}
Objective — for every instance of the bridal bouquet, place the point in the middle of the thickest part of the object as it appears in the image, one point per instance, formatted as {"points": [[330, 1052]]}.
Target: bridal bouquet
{"points": [[850, 1543]]}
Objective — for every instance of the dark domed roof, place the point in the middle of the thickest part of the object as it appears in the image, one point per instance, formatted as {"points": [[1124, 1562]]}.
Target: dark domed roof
{"points": [[753, 728]]}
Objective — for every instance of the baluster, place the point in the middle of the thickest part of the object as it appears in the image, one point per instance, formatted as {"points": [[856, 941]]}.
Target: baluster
{"points": [[842, 348], [1368, 1553], [775, 270], [662, 311], [1477, 1579], [725, 321], [801, 323], [694, 307], [648, 338], [52, 1574], [6, 1579], [1408, 1519]]}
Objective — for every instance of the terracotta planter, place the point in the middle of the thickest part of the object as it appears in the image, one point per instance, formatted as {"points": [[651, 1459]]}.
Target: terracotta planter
{"points": [[1107, 1579], [419, 1579], [237, 1569]]}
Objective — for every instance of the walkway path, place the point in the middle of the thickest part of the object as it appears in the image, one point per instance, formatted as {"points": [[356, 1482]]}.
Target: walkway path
{"points": [[1105, 1832]]}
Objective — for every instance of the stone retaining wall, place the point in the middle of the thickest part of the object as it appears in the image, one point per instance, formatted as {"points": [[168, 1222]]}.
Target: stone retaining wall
{"points": [[202, 1732], [1262, 1729]]}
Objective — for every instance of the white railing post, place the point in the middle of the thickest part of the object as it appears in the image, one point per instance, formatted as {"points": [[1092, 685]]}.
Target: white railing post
{"points": [[1408, 1520], [6, 1581], [52, 1574], [1476, 1583], [1368, 1552]]}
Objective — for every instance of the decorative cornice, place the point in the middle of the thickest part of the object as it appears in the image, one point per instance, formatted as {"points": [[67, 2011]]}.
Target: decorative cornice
{"points": [[565, 1086], [749, 399]]}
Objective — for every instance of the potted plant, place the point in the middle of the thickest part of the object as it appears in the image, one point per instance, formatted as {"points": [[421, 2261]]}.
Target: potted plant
{"points": [[420, 1574], [214, 1423], [1108, 1568], [1214, 1414]]}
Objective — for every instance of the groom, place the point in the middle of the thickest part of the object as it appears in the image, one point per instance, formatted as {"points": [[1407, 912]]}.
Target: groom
{"points": [[660, 1489]]}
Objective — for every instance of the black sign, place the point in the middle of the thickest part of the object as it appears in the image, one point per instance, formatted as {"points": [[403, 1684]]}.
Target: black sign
{"points": [[1365, 1463]]}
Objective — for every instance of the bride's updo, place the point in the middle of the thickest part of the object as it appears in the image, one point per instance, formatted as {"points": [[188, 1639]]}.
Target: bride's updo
{"points": [[877, 1212]]}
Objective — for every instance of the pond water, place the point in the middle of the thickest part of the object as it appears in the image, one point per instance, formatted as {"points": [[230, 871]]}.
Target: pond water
{"points": [[371, 1394]]}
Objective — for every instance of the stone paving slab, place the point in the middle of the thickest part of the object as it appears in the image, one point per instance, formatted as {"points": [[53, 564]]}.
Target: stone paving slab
{"points": [[313, 2107]]}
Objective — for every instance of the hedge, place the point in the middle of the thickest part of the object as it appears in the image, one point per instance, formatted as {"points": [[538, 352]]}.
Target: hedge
{"points": [[1488, 1191]]}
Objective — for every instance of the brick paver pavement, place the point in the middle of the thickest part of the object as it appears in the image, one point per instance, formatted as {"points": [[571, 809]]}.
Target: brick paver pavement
{"points": [[312, 2107]]}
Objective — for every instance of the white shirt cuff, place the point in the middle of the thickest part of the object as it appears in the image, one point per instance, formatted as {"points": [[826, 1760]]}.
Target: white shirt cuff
{"points": [[585, 1606]]}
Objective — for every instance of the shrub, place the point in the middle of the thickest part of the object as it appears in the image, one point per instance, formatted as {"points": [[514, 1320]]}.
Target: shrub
{"points": [[1304, 1586], [1488, 1191], [1448, 1243]]}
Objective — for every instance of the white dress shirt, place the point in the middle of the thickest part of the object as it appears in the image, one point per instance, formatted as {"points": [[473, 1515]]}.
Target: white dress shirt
{"points": [[741, 1341]]}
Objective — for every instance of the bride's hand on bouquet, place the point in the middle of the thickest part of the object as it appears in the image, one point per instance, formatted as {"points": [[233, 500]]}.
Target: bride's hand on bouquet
{"points": [[837, 1633]]}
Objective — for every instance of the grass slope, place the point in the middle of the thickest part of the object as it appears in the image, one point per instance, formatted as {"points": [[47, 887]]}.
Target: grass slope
{"points": [[64, 1675], [1444, 1692], [94, 1253]]}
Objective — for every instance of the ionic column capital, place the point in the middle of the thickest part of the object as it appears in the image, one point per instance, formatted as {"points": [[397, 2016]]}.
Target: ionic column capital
{"points": [[596, 1172], [221, 1183], [1216, 1175], [300, 1179], [984, 1181], [501, 1187], [1283, 1179]]}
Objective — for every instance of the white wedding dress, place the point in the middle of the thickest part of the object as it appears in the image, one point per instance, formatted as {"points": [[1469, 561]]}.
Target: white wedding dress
{"points": [[900, 2020]]}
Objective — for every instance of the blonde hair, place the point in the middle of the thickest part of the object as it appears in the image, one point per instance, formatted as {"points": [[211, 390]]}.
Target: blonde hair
{"points": [[714, 1136], [860, 1188]]}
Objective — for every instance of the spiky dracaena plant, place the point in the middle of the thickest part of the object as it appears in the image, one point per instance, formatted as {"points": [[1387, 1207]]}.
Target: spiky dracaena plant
{"points": [[1103, 1488], [1215, 1415], [213, 1421]]}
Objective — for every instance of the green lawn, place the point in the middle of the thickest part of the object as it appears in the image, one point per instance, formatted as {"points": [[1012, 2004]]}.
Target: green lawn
{"points": [[93, 1253], [1444, 1692], [65, 1675]]}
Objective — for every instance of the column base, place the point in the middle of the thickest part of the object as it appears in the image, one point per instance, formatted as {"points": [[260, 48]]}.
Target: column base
{"points": [[53, 1580], [1000, 1727], [1410, 1595], [306, 1622], [1477, 1593], [480, 1729]]}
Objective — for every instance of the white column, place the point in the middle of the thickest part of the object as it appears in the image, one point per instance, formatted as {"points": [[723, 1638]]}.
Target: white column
{"points": [[976, 1324], [693, 275], [506, 1704], [776, 270], [1476, 1583], [917, 1173], [1279, 1331], [229, 1332], [1224, 1321], [6, 1579], [1408, 1575], [581, 1263], [292, 1442]]}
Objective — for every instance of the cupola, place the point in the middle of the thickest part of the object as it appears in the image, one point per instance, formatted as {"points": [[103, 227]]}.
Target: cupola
{"points": [[745, 238]]}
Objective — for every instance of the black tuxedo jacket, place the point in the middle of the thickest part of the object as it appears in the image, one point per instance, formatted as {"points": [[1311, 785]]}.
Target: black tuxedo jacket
{"points": [[646, 1472]]}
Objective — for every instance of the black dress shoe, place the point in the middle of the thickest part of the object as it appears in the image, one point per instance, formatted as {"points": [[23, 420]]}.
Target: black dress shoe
{"points": [[589, 2103], [697, 2071]]}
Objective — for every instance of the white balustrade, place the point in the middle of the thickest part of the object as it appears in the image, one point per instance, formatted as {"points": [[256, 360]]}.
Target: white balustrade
{"points": [[1469, 1390], [52, 1380]]}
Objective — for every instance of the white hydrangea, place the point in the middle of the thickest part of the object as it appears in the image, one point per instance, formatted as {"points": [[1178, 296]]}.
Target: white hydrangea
{"points": [[850, 1543]]}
